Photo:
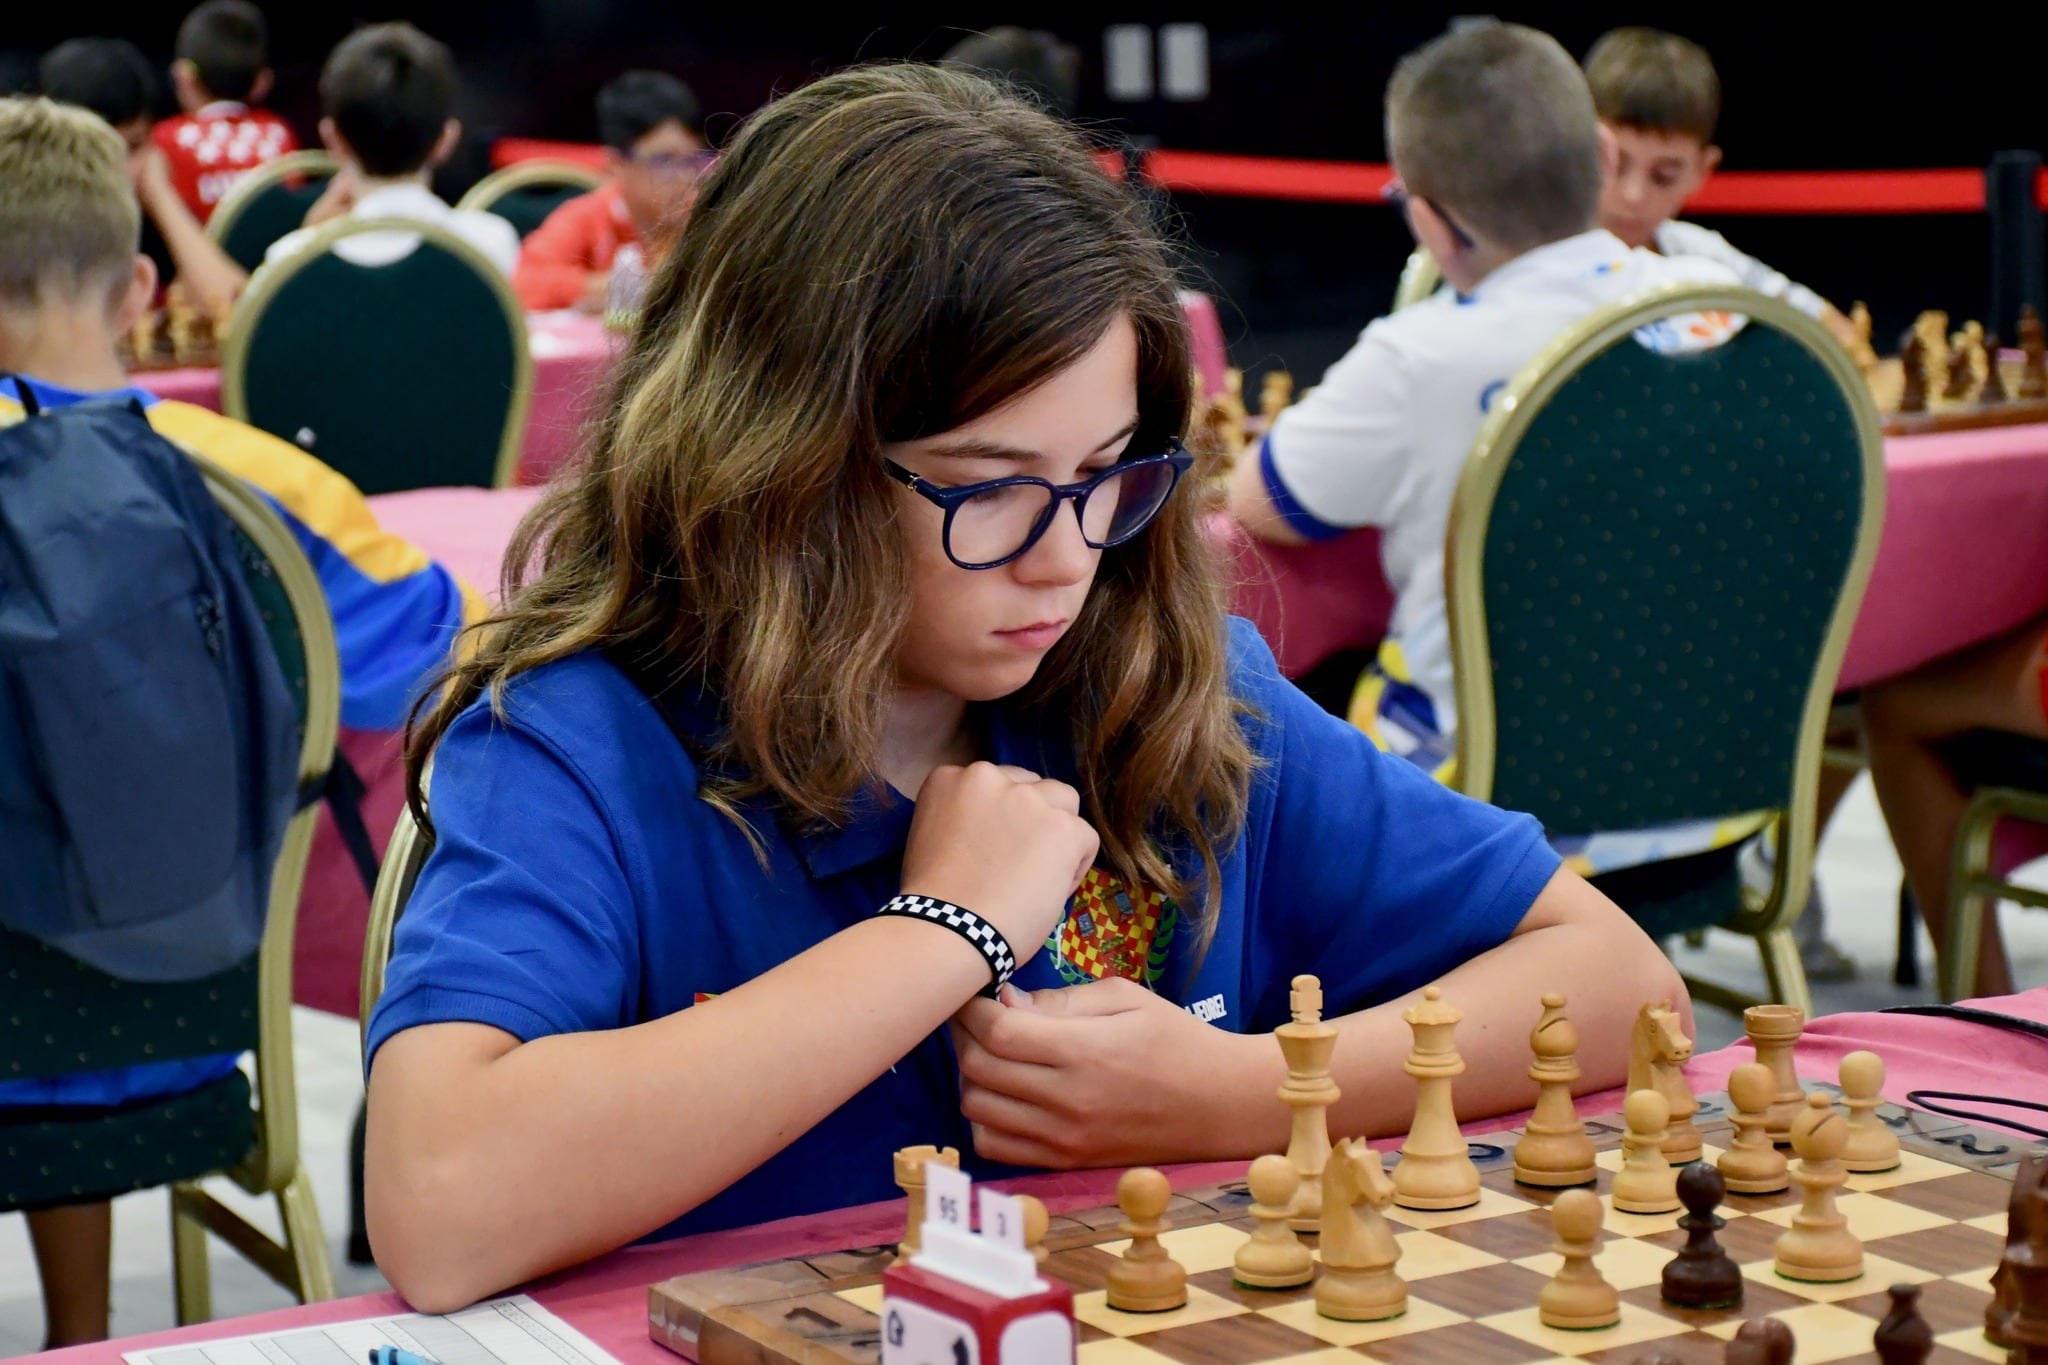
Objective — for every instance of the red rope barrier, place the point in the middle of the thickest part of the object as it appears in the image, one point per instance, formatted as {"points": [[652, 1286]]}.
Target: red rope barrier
{"points": [[1358, 182]]}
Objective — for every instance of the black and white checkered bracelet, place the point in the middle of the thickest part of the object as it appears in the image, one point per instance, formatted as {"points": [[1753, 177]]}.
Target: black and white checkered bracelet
{"points": [[970, 926]]}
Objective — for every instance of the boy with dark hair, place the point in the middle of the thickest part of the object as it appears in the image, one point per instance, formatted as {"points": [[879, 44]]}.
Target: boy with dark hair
{"points": [[1659, 97], [111, 77], [221, 75], [71, 283], [1499, 160], [653, 134], [388, 96], [1030, 60]]}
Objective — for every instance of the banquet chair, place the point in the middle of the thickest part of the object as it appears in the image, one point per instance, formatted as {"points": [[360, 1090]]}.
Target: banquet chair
{"points": [[1419, 279], [403, 859], [267, 202], [2008, 775], [525, 194], [1654, 561], [411, 374], [64, 1016]]}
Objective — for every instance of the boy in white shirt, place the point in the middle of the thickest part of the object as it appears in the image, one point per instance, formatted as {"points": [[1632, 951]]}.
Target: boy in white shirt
{"points": [[1659, 98], [1491, 131], [386, 94]]}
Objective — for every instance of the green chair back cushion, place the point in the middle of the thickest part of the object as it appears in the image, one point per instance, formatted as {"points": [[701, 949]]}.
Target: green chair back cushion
{"points": [[277, 210], [66, 1156], [527, 208], [1661, 566], [400, 376]]}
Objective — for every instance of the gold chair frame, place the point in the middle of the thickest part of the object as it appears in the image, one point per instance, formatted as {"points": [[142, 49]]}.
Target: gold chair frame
{"points": [[266, 283], [1514, 411], [1974, 889], [256, 180], [527, 175], [1419, 279], [403, 859], [300, 1261]]}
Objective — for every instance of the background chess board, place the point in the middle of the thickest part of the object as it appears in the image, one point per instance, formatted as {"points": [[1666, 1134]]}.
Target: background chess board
{"points": [[1887, 380], [1473, 1275]]}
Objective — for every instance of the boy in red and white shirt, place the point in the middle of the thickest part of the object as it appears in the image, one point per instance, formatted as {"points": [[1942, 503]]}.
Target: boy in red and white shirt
{"points": [[220, 73]]}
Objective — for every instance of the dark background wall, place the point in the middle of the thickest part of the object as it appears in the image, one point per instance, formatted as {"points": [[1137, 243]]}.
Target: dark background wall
{"points": [[1806, 86]]}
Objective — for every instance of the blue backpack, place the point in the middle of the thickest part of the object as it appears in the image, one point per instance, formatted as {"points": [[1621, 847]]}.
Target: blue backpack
{"points": [[148, 740]]}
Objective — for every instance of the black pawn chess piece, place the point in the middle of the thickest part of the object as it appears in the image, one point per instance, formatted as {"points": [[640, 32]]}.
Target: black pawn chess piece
{"points": [[1904, 1337], [1702, 1275], [1762, 1341]]}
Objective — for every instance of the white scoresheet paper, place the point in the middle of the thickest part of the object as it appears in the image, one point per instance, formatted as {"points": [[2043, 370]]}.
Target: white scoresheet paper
{"points": [[510, 1331]]}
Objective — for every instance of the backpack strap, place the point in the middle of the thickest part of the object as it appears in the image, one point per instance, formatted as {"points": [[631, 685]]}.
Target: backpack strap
{"points": [[342, 788]]}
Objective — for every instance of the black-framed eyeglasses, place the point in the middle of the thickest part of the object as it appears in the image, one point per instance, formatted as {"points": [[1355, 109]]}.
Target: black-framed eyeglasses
{"points": [[1397, 194], [989, 524]]}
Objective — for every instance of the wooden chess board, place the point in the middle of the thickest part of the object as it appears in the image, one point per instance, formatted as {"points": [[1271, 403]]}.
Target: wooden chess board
{"points": [[1473, 1275], [1887, 380]]}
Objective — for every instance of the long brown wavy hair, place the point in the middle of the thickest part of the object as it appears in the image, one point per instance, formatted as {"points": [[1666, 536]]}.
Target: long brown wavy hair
{"points": [[880, 256]]}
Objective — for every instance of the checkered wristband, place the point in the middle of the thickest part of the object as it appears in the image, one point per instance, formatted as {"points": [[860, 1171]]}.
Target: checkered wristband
{"points": [[970, 926]]}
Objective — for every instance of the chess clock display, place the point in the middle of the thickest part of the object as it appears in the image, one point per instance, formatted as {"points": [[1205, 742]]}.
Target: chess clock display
{"points": [[973, 1298]]}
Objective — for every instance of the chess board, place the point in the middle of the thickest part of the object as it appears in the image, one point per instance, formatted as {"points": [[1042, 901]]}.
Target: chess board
{"points": [[1887, 380], [1473, 1275]]}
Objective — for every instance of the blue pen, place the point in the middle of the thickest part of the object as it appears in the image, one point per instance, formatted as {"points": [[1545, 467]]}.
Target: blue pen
{"points": [[391, 1355]]}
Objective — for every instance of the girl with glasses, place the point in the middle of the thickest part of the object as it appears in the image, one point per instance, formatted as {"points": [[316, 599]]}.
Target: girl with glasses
{"points": [[875, 652]]}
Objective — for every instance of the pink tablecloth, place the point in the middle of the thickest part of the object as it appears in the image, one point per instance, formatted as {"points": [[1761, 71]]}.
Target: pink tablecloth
{"points": [[607, 1299], [571, 354], [1964, 557]]}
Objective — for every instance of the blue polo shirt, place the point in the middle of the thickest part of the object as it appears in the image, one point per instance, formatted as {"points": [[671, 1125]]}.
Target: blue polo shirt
{"points": [[579, 884]]}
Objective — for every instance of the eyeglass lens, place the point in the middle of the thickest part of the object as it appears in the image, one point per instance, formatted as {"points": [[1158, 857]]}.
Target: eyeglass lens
{"points": [[994, 525]]}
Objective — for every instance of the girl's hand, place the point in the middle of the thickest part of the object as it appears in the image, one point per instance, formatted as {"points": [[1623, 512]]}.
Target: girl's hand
{"points": [[1005, 843], [1109, 1074]]}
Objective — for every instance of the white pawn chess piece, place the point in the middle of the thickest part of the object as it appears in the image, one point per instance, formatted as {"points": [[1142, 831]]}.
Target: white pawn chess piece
{"points": [[1578, 1297], [1871, 1145], [1753, 1164], [1646, 1183], [1273, 1257], [1819, 1247]]}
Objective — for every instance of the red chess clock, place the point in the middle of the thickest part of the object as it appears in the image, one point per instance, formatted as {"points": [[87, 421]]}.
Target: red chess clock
{"points": [[973, 1299], [928, 1319]]}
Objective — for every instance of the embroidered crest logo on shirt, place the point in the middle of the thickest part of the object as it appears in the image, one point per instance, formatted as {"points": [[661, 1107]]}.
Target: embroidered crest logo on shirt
{"points": [[1112, 931]]}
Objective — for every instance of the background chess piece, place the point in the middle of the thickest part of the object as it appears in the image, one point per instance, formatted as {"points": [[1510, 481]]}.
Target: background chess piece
{"points": [[1358, 1250], [1273, 1257], [1774, 1031], [1275, 394], [1819, 1247], [910, 1178], [1760, 1341], [1904, 1337], [1555, 1150], [1753, 1164], [1145, 1279], [1962, 369], [1578, 1297], [1307, 1042], [1658, 1048], [1701, 1275], [1860, 349], [1436, 1170], [1994, 373], [1871, 1146], [1913, 373], [2033, 354], [1646, 1182]]}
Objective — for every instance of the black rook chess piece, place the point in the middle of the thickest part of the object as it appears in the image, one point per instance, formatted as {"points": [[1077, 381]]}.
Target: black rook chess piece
{"points": [[1702, 1275], [1904, 1338]]}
